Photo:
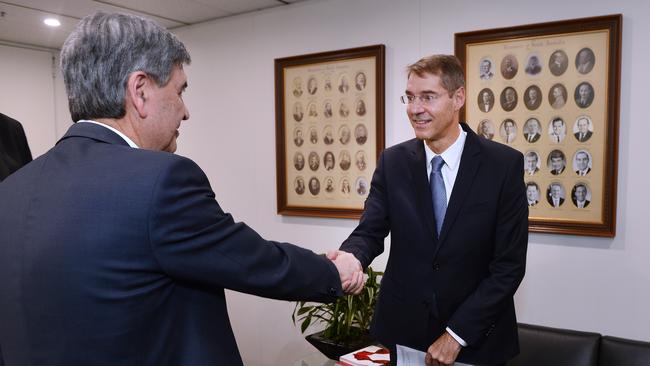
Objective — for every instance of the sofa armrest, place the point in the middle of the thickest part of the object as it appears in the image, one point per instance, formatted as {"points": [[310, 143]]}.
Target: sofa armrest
{"points": [[554, 346], [620, 351]]}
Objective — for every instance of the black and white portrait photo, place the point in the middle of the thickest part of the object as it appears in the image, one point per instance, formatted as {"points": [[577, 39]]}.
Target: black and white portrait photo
{"points": [[362, 186], [299, 185], [360, 81], [344, 134], [532, 193], [345, 160], [360, 133], [585, 60], [297, 87], [555, 194], [508, 131], [533, 65], [581, 195], [297, 112], [557, 130], [509, 66], [485, 69], [557, 96], [485, 100], [584, 94], [314, 161], [314, 186], [297, 137], [298, 160], [344, 84], [508, 99], [533, 97], [558, 62], [531, 163], [313, 135], [328, 135], [360, 160], [312, 85], [486, 129], [556, 162], [328, 161], [583, 128], [532, 130], [582, 163]]}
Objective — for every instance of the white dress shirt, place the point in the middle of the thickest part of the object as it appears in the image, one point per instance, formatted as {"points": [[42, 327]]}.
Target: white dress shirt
{"points": [[449, 171]]}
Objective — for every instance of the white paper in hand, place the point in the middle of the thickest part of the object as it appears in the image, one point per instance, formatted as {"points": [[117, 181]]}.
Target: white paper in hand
{"points": [[411, 357]]}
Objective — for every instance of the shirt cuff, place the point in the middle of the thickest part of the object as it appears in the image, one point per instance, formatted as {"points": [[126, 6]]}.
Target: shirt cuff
{"points": [[456, 337]]}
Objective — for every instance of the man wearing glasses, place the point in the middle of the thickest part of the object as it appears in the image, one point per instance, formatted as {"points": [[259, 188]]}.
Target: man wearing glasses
{"points": [[455, 206]]}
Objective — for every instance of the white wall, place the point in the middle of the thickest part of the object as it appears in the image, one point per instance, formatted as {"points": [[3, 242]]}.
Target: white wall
{"points": [[585, 283], [32, 93]]}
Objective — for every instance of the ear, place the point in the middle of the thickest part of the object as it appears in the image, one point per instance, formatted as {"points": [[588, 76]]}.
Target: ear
{"points": [[459, 98], [137, 92]]}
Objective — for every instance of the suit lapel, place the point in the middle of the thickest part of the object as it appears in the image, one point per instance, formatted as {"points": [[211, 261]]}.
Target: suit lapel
{"points": [[469, 164], [418, 168]]}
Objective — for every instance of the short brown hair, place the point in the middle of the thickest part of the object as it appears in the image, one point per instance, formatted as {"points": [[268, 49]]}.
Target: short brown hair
{"points": [[446, 67]]}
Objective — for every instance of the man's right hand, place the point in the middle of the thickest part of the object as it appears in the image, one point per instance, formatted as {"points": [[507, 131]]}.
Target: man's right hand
{"points": [[350, 271]]}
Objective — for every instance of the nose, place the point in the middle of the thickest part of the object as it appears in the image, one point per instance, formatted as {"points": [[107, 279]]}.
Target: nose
{"points": [[415, 107], [186, 114]]}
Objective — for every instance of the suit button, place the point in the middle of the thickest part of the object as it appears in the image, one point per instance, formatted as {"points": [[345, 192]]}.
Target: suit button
{"points": [[436, 266], [332, 291]]}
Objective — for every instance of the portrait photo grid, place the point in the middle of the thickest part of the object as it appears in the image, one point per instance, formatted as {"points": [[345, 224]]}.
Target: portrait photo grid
{"points": [[546, 97], [330, 129]]}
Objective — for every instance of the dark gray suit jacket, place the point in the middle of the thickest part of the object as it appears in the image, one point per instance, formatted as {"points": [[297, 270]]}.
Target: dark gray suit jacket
{"points": [[112, 255]]}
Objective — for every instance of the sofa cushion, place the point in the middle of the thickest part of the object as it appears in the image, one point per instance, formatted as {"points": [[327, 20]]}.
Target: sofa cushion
{"points": [[620, 351], [556, 347]]}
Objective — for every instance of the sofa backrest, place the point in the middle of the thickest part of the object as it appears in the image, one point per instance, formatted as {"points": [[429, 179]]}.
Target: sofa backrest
{"points": [[557, 347], [619, 351]]}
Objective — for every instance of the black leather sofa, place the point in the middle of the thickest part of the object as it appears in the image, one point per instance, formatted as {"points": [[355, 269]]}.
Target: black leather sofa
{"points": [[546, 346]]}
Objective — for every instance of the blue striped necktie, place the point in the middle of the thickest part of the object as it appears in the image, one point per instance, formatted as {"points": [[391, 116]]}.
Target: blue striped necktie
{"points": [[438, 193]]}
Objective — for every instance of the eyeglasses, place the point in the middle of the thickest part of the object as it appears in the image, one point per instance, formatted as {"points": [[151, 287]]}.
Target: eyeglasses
{"points": [[426, 99]]}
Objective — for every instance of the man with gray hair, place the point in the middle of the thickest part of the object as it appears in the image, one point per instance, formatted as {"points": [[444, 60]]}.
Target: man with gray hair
{"points": [[113, 250]]}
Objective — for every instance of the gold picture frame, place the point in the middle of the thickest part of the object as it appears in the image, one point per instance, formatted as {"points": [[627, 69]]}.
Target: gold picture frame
{"points": [[552, 90], [329, 130]]}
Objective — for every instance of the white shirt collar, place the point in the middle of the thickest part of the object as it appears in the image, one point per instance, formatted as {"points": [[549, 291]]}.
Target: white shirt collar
{"points": [[452, 155], [123, 136]]}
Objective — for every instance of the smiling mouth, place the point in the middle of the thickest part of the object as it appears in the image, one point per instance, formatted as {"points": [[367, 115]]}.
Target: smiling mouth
{"points": [[421, 121]]}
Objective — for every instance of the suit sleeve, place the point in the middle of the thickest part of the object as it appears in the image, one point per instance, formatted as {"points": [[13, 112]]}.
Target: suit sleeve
{"points": [[367, 241], [475, 317], [25, 154], [194, 240]]}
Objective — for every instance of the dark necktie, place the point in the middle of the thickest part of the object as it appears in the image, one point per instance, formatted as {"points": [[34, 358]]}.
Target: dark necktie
{"points": [[438, 193]]}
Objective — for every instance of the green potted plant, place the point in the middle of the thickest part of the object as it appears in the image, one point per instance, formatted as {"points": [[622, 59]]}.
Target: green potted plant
{"points": [[347, 321]]}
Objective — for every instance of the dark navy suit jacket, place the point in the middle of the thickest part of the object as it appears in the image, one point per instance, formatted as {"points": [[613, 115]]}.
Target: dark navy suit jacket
{"points": [[464, 280], [111, 255], [14, 150]]}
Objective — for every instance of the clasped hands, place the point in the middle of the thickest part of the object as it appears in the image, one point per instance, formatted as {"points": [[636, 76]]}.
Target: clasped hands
{"points": [[350, 271]]}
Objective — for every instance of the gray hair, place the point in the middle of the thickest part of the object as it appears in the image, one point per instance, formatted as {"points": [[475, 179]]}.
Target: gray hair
{"points": [[103, 50]]}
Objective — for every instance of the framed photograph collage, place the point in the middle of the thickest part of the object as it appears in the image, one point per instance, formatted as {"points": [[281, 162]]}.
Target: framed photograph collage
{"points": [[551, 91], [329, 130]]}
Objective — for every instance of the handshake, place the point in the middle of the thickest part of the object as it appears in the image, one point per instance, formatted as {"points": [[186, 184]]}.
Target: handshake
{"points": [[350, 270]]}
